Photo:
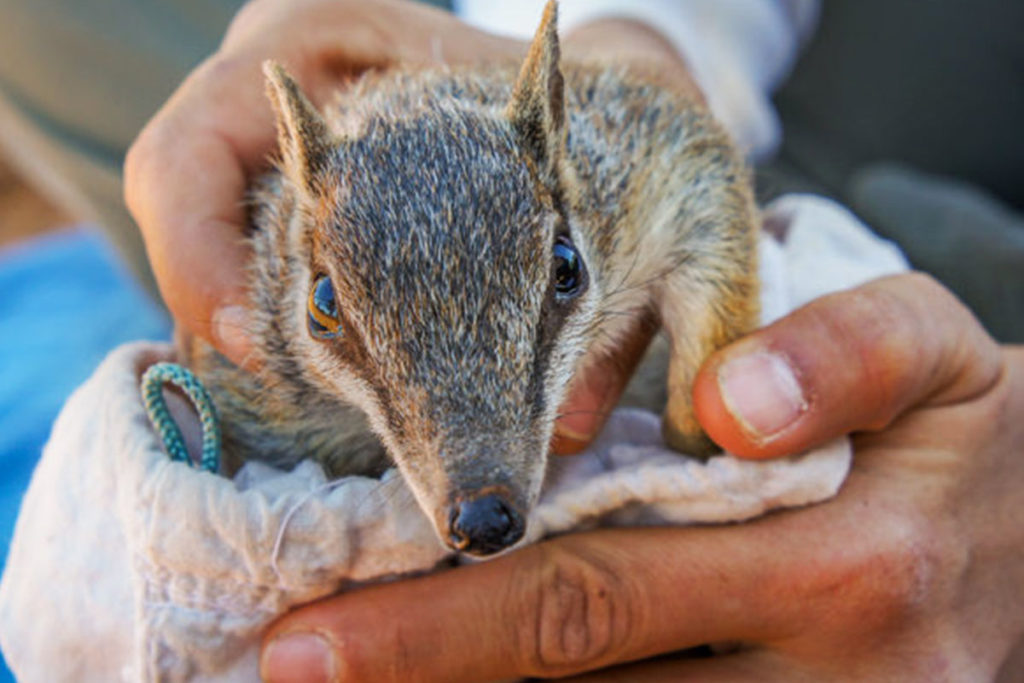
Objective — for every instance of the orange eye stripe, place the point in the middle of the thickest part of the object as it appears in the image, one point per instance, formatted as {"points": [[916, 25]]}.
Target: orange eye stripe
{"points": [[321, 318]]}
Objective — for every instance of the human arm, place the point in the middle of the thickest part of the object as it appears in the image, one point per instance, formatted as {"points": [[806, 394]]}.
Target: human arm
{"points": [[911, 573]]}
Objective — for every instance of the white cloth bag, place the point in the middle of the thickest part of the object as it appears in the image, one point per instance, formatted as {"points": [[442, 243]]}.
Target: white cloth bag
{"points": [[127, 566]]}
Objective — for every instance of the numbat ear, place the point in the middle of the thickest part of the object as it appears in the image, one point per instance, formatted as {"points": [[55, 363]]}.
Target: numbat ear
{"points": [[537, 109], [302, 133]]}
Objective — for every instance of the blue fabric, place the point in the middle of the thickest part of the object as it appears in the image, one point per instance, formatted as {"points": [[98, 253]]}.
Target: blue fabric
{"points": [[66, 302]]}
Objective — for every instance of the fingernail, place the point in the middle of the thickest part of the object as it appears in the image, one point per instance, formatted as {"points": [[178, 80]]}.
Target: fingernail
{"points": [[564, 431], [229, 327], [298, 657], [762, 393], [567, 441]]}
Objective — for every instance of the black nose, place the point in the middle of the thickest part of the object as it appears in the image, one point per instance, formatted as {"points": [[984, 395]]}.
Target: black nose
{"points": [[484, 525]]}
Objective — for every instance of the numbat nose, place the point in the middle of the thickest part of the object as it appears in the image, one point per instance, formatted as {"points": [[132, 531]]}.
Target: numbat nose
{"points": [[484, 525]]}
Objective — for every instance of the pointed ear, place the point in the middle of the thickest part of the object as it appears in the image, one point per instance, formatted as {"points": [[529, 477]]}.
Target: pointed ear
{"points": [[302, 133], [537, 109]]}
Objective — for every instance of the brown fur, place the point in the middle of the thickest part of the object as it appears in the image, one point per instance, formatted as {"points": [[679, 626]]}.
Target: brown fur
{"points": [[432, 199]]}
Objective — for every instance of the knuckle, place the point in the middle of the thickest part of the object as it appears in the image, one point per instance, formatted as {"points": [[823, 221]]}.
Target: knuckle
{"points": [[942, 338], [224, 67], [928, 285], [134, 156], [934, 309], [904, 337], [248, 18], [141, 158], [871, 330], [201, 94], [897, 574], [900, 573], [575, 613]]}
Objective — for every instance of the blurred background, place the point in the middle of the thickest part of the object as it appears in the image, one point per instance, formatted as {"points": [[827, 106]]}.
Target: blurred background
{"points": [[23, 213], [65, 301]]}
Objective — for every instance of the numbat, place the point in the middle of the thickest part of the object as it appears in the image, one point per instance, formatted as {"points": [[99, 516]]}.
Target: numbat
{"points": [[441, 250]]}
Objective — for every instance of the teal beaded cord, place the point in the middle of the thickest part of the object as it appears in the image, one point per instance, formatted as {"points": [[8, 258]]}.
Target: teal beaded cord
{"points": [[153, 382]]}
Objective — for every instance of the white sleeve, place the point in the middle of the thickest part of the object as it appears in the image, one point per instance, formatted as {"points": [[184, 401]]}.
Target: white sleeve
{"points": [[737, 50]]}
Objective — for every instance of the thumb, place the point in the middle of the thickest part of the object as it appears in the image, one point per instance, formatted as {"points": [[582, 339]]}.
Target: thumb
{"points": [[847, 362], [596, 388]]}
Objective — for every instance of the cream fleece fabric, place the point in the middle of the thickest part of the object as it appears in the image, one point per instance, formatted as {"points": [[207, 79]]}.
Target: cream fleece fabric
{"points": [[127, 566]]}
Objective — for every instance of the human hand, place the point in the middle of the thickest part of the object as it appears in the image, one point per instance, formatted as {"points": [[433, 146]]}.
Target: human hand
{"points": [[616, 40], [912, 572], [187, 173]]}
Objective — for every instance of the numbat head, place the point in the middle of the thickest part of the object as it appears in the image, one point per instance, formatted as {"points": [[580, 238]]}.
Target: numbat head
{"points": [[435, 259]]}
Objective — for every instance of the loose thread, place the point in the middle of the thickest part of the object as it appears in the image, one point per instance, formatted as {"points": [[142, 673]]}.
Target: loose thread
{"points": [[275, 553]]}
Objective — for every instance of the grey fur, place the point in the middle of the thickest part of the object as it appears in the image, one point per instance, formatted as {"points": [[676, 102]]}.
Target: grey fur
{"points": [[435, 215]]}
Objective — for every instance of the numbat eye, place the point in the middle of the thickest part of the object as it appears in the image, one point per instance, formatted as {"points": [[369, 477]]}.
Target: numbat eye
{"points": [[568, 265], [323, 310]]}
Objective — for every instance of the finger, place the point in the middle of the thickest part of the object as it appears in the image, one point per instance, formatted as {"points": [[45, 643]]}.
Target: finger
{"points": [[319, 37], [185, 180], [745, 666], [194, 238], [617, 40], [848, 362], [582, 603], [597, 387]]}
